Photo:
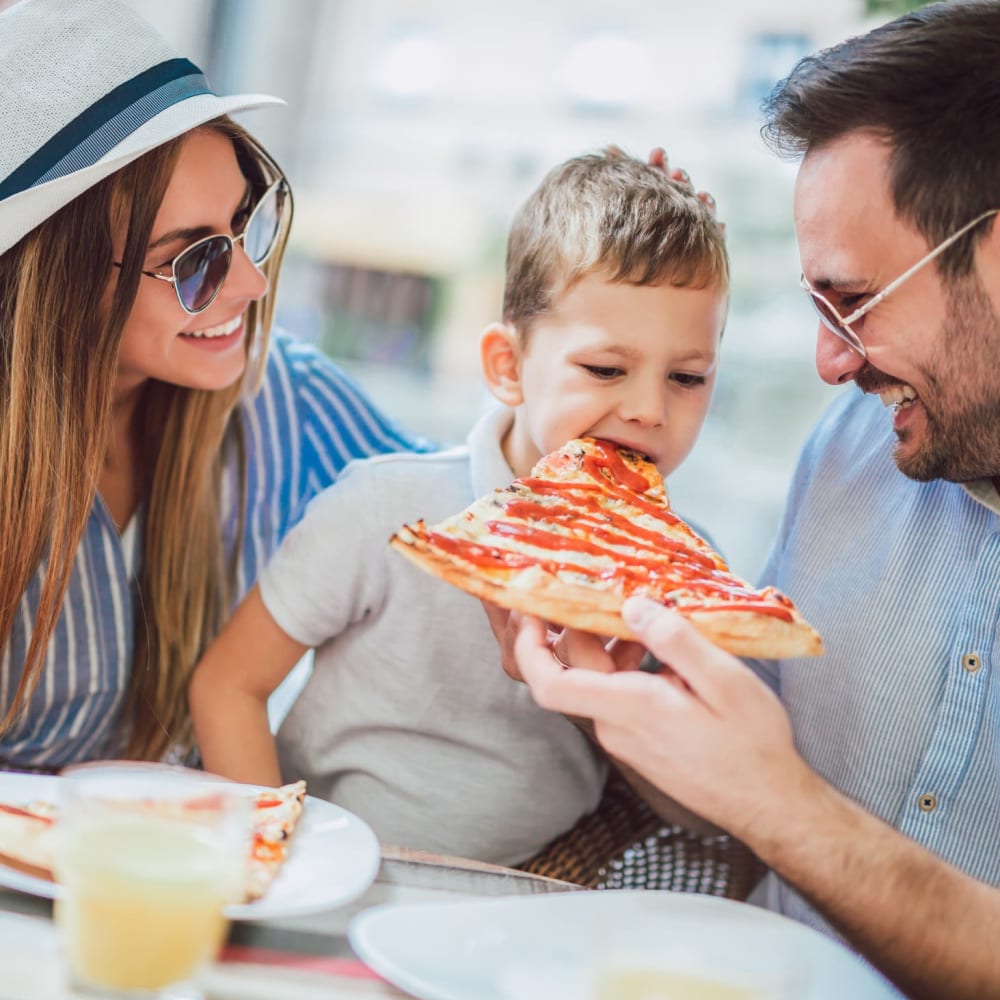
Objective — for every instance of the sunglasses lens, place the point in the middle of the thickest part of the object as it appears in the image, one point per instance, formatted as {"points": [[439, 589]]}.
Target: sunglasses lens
{"points": [[201, 270], [265, 223]]}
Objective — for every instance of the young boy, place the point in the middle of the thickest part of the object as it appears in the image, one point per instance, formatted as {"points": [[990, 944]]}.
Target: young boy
{"points": [[615, 299]]}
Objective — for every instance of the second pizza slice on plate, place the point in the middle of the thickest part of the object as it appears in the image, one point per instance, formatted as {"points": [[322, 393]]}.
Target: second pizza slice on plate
{"points": [[591, 526], [28, 834], [276, 815]]}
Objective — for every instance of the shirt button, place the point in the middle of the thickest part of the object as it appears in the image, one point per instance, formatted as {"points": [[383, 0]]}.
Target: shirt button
{"points": [[971, 662], [927, 802]]}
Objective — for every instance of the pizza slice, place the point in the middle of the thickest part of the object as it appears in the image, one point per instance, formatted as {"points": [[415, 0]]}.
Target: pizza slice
{"points": [[275, 818], [591, 526], [27, 835], [26, 838]]}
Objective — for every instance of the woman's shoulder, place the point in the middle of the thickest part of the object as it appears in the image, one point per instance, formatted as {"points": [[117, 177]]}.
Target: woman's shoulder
{"points": [[295, 367]]}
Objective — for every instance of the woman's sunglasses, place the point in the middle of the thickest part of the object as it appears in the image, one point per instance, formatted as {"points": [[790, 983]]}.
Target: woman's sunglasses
{"points": [[197, 273]]}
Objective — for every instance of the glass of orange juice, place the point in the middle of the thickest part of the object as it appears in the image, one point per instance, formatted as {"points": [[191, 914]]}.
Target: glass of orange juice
{"points": [[148, 856]]}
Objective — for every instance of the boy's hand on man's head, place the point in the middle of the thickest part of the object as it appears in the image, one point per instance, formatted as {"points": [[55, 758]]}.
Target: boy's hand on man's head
{"points": [[658, 158]]}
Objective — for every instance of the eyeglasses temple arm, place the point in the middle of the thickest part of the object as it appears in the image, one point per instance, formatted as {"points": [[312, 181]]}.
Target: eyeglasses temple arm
{"points": [[893, 285]]}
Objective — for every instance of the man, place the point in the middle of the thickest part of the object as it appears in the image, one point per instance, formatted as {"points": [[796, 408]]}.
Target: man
{"points": [[874, 792]]}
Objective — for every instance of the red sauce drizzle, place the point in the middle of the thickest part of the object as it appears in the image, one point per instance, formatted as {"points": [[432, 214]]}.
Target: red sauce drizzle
{"points": [[611, 465], [594, 529], [17, 811]]}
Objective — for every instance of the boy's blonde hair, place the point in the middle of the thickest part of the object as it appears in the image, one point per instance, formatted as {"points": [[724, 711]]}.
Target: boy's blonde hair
{"points": [[611, 214]]}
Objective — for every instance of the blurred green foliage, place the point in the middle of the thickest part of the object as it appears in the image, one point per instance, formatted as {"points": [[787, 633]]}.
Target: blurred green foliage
{"points": [[892, 7]]}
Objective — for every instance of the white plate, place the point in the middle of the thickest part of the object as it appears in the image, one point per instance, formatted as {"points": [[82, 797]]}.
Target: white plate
{"points": [[552, 947], [32, 959], [334, 857]]}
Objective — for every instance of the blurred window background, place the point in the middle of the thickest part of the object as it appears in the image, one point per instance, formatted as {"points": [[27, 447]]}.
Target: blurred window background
{"points": [[415, 128]]}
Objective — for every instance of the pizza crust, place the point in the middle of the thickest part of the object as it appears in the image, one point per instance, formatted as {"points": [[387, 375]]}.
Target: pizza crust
{"points": [[576, 607], [26, 843], [590, 526], [761, 636], [20, 865], [561, 603], [276, 818]]}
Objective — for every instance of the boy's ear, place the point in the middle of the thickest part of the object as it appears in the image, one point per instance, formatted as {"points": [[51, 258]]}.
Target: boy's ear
{"points": [[500, 355]]}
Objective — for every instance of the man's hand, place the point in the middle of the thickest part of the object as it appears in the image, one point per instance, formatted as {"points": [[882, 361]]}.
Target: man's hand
{"points": [[705, 730], [708, 732], [567, 646], [589, 652]]}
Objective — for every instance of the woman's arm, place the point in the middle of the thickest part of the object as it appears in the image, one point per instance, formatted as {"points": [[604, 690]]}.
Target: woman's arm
{"points": [[229, 691]]}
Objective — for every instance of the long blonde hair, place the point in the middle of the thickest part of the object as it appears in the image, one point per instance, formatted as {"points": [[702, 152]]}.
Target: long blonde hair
{"points": [[58, 365]]}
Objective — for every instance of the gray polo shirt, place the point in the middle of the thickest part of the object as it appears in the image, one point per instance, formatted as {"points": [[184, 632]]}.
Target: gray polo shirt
{"points": [[408, 719]]}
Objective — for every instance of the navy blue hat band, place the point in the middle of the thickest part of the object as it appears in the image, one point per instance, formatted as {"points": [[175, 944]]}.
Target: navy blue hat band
{"points": [[96, 131]]}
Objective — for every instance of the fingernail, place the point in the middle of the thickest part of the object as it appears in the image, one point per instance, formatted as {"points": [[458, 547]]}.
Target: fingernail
{"points": [[707, 198], [636, 611]]}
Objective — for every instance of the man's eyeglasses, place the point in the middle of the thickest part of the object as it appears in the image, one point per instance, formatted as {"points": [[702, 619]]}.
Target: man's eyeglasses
{"points": [[197, 272], [841, 326]]}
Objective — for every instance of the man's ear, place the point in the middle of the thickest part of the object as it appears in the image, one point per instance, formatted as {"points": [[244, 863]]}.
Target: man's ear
{"points": [[500, 355]]}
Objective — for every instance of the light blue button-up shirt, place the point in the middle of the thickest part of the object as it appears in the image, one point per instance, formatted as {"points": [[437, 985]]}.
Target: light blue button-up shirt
{"points": [[902, 580], [308, 421]]}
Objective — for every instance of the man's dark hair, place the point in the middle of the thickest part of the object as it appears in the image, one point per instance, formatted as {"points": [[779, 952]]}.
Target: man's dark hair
{"points": [[928, 84]]}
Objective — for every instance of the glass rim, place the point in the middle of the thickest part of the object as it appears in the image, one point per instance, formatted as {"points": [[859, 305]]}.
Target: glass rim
{"points": [[124, 780]]}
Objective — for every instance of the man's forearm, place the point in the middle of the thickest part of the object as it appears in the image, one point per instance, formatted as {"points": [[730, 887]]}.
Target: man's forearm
{"points": [[720, 741], [927, 926]]}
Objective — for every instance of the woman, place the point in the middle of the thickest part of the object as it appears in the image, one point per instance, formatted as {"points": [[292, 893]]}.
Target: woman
{"points": [[152, 449]]}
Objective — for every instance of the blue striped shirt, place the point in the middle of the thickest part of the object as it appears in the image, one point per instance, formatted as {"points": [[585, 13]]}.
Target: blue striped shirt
{"points": [[308, 421], [902, 580]]}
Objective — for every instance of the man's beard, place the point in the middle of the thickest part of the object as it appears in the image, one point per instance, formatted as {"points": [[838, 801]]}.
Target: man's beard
{"points": [[962, 437]]}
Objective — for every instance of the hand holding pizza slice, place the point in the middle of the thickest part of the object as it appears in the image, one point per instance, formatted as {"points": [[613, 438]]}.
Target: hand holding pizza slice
{"points": [[591, 526]]}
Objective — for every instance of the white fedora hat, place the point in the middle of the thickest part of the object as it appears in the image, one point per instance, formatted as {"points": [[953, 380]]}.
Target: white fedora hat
{"points": [[87, 86]]}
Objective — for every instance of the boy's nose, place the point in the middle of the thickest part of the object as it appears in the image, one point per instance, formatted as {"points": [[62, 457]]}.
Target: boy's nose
{"points": [[644, 406]]}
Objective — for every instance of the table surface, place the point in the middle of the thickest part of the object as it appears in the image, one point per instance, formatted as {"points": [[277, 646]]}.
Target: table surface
{"points": [[296, 958]]}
